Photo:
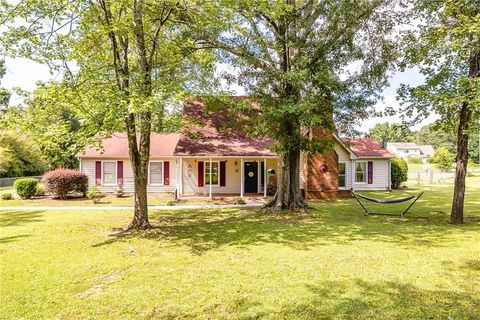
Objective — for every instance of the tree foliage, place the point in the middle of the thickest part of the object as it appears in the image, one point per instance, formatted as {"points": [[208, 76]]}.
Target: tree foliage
{"points": [[399, 172], [385, 132], [122, 62], [436, 136], [446, 48], [443, 159], [19, 155], [295, 58], [4, 94]]}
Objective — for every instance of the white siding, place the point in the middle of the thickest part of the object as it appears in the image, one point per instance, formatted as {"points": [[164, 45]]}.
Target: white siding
{"points": [[344, 156], [232, 181], [380, 176], [88, 167]]}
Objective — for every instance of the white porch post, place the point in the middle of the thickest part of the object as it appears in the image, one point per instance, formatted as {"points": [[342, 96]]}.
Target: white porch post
{"points": [[180, 179], [210, 177], [241, 177], [265, 177], [390, 174], [353, 175]]}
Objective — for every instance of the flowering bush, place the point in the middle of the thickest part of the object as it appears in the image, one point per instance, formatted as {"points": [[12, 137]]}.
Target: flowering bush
{"points": [[60, 182]]}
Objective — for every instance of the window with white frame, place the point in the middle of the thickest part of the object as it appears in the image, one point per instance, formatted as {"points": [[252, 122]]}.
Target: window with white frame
{"points": [[361, 172], [215, 173], [109, 172], [342, 179], [156, 172]]}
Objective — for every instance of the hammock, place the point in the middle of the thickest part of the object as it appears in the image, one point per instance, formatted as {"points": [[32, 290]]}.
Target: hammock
{"points": [[385, 201]]}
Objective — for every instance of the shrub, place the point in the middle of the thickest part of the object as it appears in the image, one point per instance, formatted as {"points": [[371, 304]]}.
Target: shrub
{"points": [[6, 196], [94, 194], [443, 159], [399, 172], [60, 182], [40, 190], [239, 201], [414, 160], [26, 187]]}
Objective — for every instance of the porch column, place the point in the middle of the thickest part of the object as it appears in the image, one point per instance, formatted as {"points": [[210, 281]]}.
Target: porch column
{"points": [[353, 175], [265, 177], [241, 177], [210, 178], [180, 179]]}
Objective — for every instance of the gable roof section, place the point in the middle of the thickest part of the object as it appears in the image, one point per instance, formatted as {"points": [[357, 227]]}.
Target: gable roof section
{"points": [[367, 148], [427, 150], [206, 135], [116, 146]]}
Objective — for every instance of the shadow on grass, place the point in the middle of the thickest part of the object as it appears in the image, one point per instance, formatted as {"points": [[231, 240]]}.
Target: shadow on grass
{"points": [[383, 300], [348, 299], [19, 217], [13, 238], [341, 222]]}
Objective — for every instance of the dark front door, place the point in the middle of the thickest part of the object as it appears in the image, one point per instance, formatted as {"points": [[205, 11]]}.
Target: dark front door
{"points": [[251, 177]]}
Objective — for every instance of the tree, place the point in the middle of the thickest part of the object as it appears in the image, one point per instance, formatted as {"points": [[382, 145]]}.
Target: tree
{"points": [[436, 136], [120, 60], [443, 159], [19, 155], [293, 57], [4, 94], [399, 172], [384, 132], [446, 48]]}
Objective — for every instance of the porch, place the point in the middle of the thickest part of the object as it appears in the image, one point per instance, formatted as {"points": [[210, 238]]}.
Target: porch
{"points": [[217, 177]]}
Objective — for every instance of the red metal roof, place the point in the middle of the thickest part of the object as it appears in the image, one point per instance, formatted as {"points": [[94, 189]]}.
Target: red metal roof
{"points": [[366, 147], [215, 133], [161, 145]]}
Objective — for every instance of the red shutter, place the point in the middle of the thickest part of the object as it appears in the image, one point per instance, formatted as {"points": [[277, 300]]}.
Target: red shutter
{"points": [[166, 173], [370, 172], [98, 173], [120, 172], [222, 173], [200, 173]]}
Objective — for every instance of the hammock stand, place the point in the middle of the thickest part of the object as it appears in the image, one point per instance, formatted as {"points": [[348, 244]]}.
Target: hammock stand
{"points": [[357, 197]]}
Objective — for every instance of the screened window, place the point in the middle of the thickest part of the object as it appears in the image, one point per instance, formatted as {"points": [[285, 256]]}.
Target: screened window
{"points": [[342, 180], [361, 172], [109, 172], [215, 173], [156, 172]]}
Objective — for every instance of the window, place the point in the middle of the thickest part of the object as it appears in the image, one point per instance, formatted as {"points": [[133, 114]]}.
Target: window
{"points": [[109, 172], [361, 172], [156, 172], [215, 173], [342, 180]]}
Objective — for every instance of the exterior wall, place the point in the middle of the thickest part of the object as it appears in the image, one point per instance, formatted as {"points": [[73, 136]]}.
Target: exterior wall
{"points": [[381, 173], [344, 156], [88, 167], [233, 176]]}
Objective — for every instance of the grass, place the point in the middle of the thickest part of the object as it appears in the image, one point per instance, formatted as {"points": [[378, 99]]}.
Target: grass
{"points": [[327, 263]]}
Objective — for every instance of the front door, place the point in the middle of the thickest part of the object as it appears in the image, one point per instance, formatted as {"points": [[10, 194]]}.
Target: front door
{"points": [[251, 177]]}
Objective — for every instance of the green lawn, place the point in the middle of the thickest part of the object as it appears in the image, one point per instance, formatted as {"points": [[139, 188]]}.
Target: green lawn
{"points": [[328, 263]]}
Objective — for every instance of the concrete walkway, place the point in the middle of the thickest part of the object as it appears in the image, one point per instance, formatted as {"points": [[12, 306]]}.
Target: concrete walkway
{"points": [[179, 207]]}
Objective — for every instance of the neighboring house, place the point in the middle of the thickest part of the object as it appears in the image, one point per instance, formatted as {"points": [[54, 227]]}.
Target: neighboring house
{"points": [[208, 159], [409, 149]]}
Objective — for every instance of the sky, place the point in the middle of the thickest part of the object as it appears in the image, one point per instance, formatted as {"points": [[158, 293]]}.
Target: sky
{"points": [[24, 73]]}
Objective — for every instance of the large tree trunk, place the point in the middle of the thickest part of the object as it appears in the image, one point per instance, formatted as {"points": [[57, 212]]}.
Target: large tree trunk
{"points": [[288, 196], [456, 215], [139, 157]]}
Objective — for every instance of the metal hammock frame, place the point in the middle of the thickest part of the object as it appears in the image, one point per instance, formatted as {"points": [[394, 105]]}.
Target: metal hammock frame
{"points": [[357, 197]]}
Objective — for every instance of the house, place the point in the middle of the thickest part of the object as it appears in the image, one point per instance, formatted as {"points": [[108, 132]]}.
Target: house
{"points": [[408, 149], [208, 159]]}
